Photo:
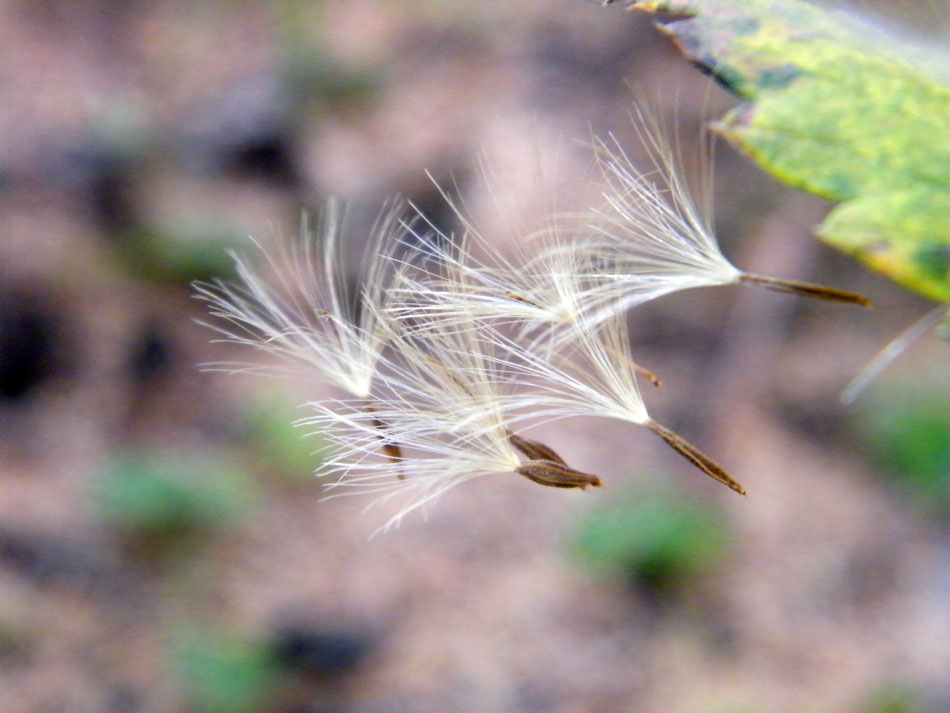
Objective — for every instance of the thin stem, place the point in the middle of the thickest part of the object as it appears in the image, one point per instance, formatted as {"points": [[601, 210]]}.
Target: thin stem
{"points": [[695, 456], [390, 450], [805, 289], [889, 353], [455, 380], [519, 298], [641, 370], [646, 374]]}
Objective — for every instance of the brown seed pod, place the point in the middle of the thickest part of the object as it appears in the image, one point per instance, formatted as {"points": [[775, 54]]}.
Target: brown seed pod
{"points": [[556, 475], [534, 450], [695, 456]]}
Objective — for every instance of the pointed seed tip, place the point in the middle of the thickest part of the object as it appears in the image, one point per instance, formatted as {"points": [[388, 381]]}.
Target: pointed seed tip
{"points": [[695, 456], [805, 289]]}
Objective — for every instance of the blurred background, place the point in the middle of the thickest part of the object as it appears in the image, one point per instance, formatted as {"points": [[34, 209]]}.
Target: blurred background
{"points": [[163, 544]]}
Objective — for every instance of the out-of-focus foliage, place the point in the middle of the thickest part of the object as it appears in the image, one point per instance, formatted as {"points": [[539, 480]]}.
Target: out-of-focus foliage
{"points": [[892, 698], [155, 495], [223, 673], [309, 70], [907, 434], [281, 444], [656, 542], [197, 249], [889, 698], [731, 708], [841, 109]]}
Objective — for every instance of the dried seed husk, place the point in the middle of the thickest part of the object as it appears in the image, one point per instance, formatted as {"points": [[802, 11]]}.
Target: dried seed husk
{"points": [[695, 456], [805, 289], [556, 475], [534, 450]]}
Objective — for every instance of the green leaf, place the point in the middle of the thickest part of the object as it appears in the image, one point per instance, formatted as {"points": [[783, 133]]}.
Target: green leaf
{"points": [[841, 110], [866, 228]]}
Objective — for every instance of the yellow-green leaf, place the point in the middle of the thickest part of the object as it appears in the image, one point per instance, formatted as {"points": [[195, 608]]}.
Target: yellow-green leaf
{"points": [[903, 234], [839, 109]]}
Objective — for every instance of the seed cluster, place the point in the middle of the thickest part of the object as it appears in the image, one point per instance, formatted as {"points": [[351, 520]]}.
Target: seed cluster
{"points": [[453, 351]]}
